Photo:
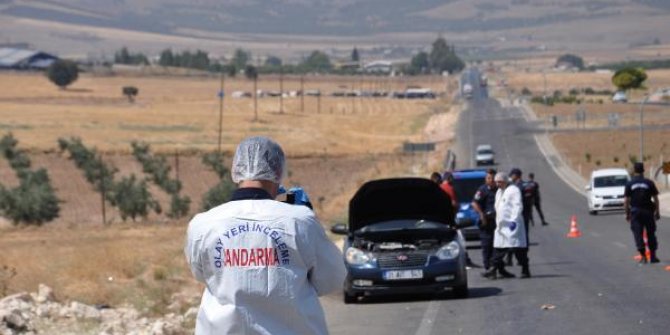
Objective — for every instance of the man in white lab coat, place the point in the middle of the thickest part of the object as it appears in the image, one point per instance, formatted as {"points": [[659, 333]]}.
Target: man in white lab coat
{"points": [[510, 233], [264, 263]]}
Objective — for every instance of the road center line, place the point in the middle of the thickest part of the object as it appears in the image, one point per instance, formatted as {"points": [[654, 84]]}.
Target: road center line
{"points": [[620, 245], [428, 320]]}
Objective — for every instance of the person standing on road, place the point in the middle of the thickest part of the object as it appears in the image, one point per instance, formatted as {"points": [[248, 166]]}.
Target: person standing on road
{"points": [[532, 191], [642, 210], [484, 203], [526, 209], [447, 187], [263, 262], [510, 233]]}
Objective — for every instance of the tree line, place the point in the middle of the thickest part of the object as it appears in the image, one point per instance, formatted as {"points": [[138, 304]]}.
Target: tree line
{"points": [[34, 201]]}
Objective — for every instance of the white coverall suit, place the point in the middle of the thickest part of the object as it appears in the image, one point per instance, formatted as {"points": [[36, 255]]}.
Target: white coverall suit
{"points": [[264, 264]]}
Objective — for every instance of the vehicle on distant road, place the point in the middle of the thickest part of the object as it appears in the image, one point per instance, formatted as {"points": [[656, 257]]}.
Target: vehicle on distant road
{"points": [[402, 239], [619, 97], [605, 190], [465, 184], [484, 155]]}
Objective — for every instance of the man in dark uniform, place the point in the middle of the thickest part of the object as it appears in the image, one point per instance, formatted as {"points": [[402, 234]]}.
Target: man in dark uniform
{"points": [[532, 190], [484, 203], [642, 210]]}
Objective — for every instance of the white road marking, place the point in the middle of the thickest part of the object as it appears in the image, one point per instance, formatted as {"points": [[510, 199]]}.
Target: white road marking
{"points": [[428, 320], [620, 245]]}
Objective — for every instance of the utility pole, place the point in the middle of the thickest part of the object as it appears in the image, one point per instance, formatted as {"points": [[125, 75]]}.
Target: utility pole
{"points": [[221, 94], [281, 90], [176, 164], [255, 98], [302, 93], [102, 191], [646, 97]]}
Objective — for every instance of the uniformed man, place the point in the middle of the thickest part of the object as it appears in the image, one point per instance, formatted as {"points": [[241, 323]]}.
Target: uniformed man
{"points": [[263, 262], [532, 190], [484, 203], [642, 210]]}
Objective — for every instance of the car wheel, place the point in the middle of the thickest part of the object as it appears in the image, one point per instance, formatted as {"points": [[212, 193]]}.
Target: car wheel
{"points": [[349, 299], [593, 212], [461, 291]]}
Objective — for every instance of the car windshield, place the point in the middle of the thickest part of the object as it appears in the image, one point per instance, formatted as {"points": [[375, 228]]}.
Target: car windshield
{"points": [[403, 224], [610, 181], [465, 189], [485, 152]]}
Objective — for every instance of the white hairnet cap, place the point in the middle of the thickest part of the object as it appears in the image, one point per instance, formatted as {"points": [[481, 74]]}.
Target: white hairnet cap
{"points": [[500, 176], [258, 158]]}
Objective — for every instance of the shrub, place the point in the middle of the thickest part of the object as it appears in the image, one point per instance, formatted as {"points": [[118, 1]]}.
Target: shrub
{"points": [[598, 163], [17, 158], [615, 159], [214, 161], [179, 206], [218, 194], [133, 199], [587, 156], [573, 91], [34, 201], [96, 172], [130, 92], [526, 91], [589, 91]]}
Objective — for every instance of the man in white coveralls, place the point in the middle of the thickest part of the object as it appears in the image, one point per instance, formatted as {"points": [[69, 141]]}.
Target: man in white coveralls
{"points": [[264, 263]]}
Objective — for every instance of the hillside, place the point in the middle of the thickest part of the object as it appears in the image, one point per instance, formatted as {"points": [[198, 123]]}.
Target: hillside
{"points": [[292, 27]]}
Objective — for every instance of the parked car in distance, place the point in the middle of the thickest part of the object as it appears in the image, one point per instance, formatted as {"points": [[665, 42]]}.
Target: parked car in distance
{"points": [[402, 239], [465, 184], [619, 97], [605, 190], [484, 155]]}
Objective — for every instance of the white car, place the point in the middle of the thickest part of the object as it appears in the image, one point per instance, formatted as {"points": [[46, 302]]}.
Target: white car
{"points": [[605, 190], [620, 96], [484, 155]]}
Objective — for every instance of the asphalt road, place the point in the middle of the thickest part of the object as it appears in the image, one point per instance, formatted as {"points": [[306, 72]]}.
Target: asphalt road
{"points": [[588, 285]]}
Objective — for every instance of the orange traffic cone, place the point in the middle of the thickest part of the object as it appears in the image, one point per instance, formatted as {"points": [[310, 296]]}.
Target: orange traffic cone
{"points": [[646, 246], [574, 230]]}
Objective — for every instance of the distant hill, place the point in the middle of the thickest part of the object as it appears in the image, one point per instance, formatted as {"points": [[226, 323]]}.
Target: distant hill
{"points": [[485, 23]]}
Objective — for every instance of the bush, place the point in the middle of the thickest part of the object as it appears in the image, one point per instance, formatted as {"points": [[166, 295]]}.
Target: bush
{"points": [[179, 206], [214, 161], [526, 91], [587, 156], [130, 92], [159, 170], [573, 91], [99, 174], [133, 199], [218, 194], [18, 160], [34, 201]]}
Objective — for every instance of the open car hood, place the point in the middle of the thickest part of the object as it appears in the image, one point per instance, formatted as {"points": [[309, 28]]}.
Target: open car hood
{"points": [[399, 198]]}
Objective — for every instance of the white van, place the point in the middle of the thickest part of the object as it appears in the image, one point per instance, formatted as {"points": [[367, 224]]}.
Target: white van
{"points": [[605, 190]]}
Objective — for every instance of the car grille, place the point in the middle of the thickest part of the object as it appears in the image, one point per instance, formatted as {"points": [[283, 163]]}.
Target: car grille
{"points": [[393, 260], [613, 197]]}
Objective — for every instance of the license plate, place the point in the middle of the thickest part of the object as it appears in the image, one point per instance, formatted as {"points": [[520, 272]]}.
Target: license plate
{"points": [[403, 274]]}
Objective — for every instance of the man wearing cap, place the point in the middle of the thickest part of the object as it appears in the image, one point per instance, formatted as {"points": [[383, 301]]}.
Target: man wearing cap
{"points": [[510, 233], [642, 210], [264, 263]]}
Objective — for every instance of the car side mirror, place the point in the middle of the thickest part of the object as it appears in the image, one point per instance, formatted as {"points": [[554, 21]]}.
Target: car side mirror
{"points": [[587, 187], [339, 229]]}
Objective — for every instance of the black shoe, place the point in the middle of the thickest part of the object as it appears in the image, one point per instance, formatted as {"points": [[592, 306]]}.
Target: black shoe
{"points": [[525, 273], [545, 223], [506, 274], [654, 259], [490, 274]]}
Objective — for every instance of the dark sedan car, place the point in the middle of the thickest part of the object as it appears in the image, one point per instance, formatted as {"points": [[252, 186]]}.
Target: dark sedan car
{"points": [[401, 238]]}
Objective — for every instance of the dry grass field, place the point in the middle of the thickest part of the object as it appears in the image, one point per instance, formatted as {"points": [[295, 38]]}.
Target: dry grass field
{"points": [[589, 150], [182, 113], [331, 153]]}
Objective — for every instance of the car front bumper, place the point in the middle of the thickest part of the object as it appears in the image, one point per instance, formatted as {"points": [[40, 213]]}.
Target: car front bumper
{"points": [[436, 278], [607, 204]]}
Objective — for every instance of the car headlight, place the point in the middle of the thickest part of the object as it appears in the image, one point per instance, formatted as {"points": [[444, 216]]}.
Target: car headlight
{"points": [[357, 257], [449, 251], [598, 196]]}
